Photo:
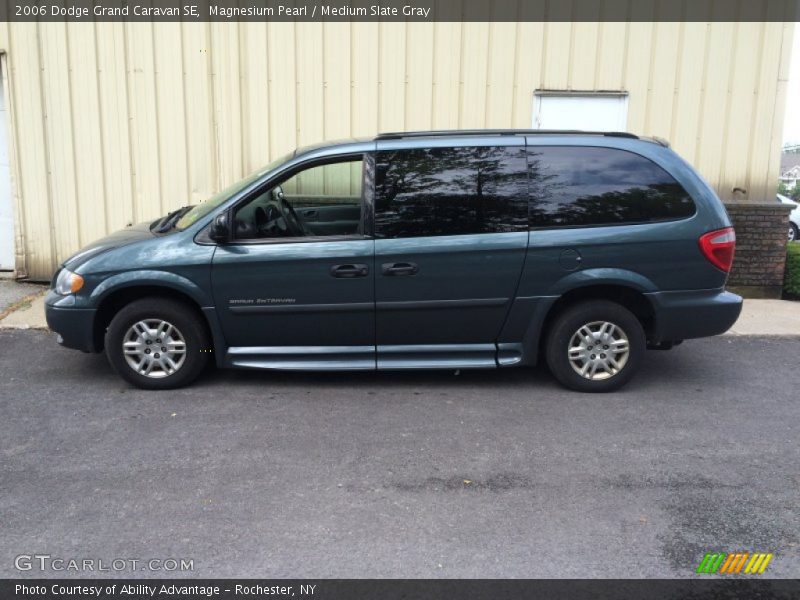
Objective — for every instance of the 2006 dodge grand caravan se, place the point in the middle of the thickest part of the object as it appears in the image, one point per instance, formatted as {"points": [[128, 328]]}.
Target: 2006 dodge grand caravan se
{"points": [[461, 249]]}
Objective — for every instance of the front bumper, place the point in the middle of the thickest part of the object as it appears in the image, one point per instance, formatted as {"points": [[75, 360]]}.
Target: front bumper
{"points": [[693, 314], [74, 326]]}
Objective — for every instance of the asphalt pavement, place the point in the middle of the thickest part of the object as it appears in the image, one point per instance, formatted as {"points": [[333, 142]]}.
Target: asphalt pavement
{"points": [[480, 474]]}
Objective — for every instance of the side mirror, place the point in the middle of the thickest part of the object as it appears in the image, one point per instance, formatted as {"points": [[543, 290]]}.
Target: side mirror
{"points": [[220, 229]]}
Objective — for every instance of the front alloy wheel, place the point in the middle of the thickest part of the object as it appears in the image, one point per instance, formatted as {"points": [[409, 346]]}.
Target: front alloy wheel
{"points": [[154, 348], [158, 343]]}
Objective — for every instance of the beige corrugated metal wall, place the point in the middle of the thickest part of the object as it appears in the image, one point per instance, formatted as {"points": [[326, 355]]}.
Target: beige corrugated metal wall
{"points": [[116, 123]]}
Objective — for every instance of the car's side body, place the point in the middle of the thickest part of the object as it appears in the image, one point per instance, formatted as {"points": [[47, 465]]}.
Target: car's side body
{"points": [[473, 300]]}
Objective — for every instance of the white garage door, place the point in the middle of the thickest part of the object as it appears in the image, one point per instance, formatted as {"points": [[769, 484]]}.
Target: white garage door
{"points": [[587, 112], [6, 216]]}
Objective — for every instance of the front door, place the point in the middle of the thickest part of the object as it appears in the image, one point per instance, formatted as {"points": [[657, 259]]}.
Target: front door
{"points": [[295, 288], [451, 228]]}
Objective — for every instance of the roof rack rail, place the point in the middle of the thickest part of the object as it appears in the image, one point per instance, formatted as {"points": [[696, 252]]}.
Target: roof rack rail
{"points": [[622, 134], [464, 132]]}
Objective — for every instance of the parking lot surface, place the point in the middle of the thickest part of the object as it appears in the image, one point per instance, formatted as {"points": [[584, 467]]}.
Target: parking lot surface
{"points": [[479, 474]]}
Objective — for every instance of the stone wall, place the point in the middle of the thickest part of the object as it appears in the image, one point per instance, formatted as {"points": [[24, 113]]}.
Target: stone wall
{"points": [[761, 234]]}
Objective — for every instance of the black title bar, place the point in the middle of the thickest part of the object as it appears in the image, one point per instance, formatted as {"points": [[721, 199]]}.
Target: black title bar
{"points": [[398, 10], [718, 588]]}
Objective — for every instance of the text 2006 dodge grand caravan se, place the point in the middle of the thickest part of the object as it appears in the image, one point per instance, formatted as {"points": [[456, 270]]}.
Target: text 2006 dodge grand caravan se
{"points": [[426, 250]]}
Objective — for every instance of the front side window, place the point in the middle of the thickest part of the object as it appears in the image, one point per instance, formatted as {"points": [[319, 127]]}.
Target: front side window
{"points": [[450, 191], [584, 186], [320, 201]]}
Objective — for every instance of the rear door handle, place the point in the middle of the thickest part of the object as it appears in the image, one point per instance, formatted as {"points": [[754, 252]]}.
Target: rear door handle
{"points": [[349, 271], [399, 268]]}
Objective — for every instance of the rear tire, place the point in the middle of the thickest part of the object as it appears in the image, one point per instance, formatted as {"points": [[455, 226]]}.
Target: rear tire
{"points": [[595, 346], [157, 344]]}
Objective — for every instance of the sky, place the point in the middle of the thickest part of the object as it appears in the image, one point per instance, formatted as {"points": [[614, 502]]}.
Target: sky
{"points": [[791, 125]]}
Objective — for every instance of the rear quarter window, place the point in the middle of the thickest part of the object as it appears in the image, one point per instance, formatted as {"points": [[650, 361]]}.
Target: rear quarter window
{"points": [[584, 187]]}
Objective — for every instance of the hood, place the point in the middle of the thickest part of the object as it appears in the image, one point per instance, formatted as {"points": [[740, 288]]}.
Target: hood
{"points": [[123, 237]]}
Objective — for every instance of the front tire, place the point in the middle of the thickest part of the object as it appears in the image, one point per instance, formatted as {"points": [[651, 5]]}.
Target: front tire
{"points": [[794, 233], [157, 344], [595, 346]]}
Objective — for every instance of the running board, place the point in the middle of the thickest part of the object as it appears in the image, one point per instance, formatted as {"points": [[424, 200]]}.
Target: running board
{"points": [[438, 356], [362, 358], [303, 358]]}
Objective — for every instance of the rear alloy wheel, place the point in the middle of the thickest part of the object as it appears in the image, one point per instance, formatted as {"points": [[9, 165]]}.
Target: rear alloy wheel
{"points": [[157, 344], [598, 350], [595, 346]]}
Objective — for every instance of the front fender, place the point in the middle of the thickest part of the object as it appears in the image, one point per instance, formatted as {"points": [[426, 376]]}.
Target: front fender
{"points": [[144, 277]]}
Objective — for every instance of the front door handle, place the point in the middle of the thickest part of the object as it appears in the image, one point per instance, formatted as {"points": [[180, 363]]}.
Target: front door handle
{"points": [[399, 268], [349, 271]]}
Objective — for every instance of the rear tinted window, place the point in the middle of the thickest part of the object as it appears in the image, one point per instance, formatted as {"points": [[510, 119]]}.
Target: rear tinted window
{"points": [[578, 186], [450, 191]]}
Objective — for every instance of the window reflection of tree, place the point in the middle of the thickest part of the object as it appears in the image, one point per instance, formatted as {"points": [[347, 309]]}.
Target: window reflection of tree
{"points": [[451, 191], [627, 188], [544, 187], [633, 205]]}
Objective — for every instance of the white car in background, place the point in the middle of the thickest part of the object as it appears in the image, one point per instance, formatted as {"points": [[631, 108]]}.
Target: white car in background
{"points": [[794, 218]]}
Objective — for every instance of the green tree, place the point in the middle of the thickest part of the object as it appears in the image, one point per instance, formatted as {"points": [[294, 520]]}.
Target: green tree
{"points": [[793, 193]]}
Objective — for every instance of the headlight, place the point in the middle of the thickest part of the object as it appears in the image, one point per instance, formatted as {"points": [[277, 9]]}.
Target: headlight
{"points": [[68, 282]]}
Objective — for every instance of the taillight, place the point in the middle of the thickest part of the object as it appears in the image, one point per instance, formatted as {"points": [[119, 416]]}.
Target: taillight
{"points": [[718, 247]]}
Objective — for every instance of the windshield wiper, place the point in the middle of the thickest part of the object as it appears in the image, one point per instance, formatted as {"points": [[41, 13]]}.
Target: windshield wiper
{"points": [[159, 222], [166, 223]]}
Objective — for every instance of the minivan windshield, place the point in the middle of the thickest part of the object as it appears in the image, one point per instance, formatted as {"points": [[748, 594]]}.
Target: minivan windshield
{"points": [[201, 210]]}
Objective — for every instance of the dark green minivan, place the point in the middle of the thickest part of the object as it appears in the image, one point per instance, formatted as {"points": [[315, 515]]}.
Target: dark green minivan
{"points": [[424, 250]]}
